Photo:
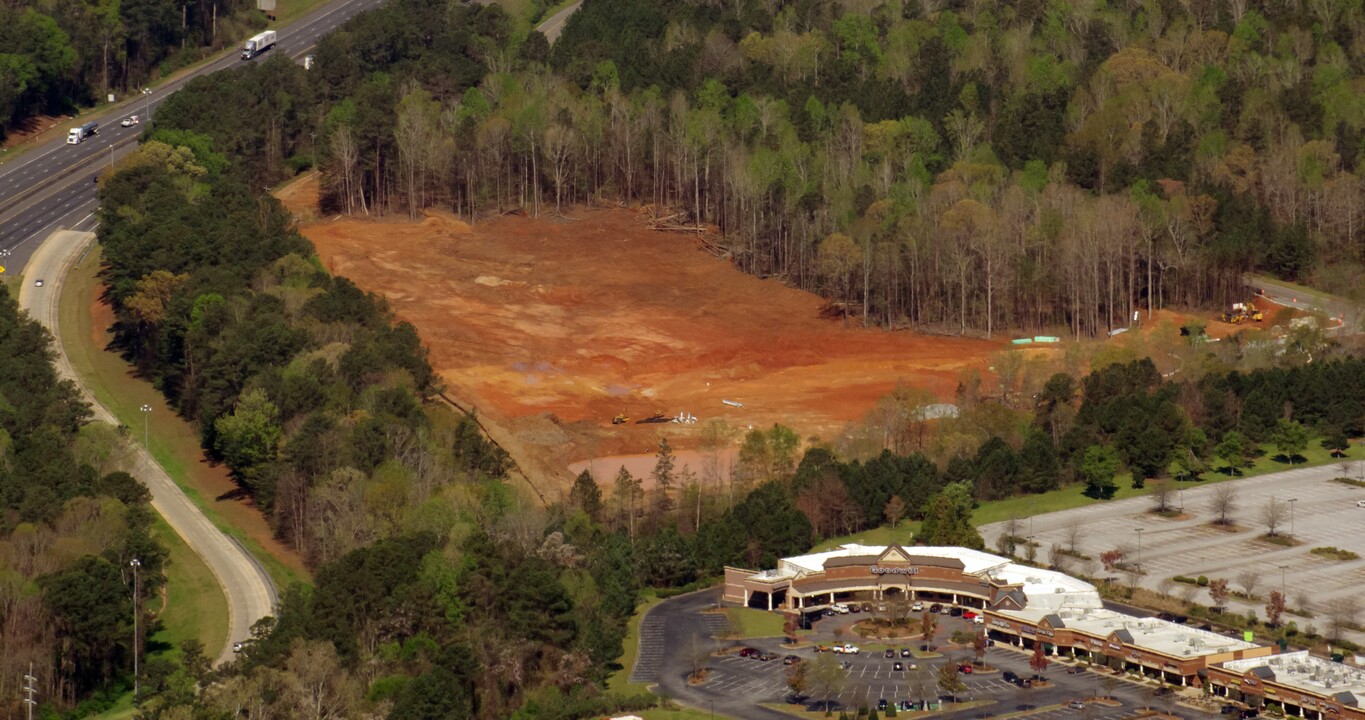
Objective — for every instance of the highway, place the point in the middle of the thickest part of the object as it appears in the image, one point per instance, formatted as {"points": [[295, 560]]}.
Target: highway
{"points": [[51, 188]]}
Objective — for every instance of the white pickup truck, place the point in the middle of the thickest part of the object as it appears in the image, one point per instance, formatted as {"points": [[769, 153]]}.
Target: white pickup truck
{"points": [[846, 649]]}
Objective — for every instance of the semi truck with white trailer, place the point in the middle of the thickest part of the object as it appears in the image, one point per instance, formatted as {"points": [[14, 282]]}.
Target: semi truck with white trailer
{"points": [[257, 44], [75, 135]]}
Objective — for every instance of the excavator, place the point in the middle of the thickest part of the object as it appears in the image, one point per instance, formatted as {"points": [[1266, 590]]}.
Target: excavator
{"points": [[620, 419], [1242, 312]]}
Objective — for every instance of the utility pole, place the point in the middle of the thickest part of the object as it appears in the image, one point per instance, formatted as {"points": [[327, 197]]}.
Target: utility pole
{"points": [[1291, 516], [29, 692], [137, 639]]}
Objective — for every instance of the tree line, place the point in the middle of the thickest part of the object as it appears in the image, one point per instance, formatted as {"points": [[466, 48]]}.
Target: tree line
{"points": [[71, 521], [1125, 161], [56, 58]]}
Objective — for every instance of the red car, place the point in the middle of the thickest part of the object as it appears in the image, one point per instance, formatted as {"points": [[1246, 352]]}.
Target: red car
{"points": [[748, 652], [968, 615], [965, 669]]}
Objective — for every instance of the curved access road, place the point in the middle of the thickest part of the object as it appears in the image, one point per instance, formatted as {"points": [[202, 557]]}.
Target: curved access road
{"points": [[249, 590]]}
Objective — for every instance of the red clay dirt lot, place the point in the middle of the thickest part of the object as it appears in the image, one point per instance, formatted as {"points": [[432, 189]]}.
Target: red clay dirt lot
{"points": [[550, 327]]}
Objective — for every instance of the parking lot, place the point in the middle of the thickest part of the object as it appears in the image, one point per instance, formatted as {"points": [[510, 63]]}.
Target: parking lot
{"points": [[1324, 513]]}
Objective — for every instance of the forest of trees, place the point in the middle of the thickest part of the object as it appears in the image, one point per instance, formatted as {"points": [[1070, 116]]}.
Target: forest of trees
{"points": [[56, 57], [970, 166], [70, 522]]}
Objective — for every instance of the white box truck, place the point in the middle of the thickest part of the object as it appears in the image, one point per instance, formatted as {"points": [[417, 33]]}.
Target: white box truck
{"points": [[76, 134], [258, 44]]}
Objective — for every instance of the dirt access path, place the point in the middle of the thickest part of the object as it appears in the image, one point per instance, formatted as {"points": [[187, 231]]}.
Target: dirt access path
{"points": [[550, 327]]}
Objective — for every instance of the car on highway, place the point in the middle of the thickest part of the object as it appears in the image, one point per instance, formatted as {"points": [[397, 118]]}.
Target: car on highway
{"points": [[130, 121]]}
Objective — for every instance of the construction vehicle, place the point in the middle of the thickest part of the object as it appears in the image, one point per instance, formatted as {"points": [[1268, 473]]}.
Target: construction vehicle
{"points": [[1242, 312], [620, 419]]}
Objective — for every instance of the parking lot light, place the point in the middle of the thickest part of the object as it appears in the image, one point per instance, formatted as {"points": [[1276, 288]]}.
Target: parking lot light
{"points": [[1291, 515]]}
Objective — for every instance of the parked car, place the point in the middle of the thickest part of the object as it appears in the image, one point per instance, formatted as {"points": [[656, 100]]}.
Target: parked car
{"points": [[968, 614], [748, 652], [935, 608], [867, 607], [237, 647], [881, 704], [890, 653], [1163, 691], [1010, 676], [1249, 714], [979, 620], [846, 649], [791, 660], [1076, 705], [965, 668], [881, 607], [905, 652], [1075, 670], [917, 607], [830, 612], [897, 667], [765, 657], [1026, 683], [822, 648], [845, 664], [905, 705], [955, 612], [1229, 709]]}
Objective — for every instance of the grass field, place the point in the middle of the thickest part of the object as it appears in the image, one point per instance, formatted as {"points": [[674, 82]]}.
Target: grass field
{"points": [[195, 606], [173, 442], [619, 682], [756, 623]]}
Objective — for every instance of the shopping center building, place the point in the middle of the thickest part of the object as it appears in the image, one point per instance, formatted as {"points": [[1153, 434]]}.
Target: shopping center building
{"points": [[1021, 605], [1300, 684]]}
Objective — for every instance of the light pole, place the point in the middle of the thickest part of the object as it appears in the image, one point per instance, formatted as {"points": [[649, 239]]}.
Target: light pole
{"points": [[146, 427], [29, 692], [1181, 490], [1139, 559], [1291, 516], [147, 106], [137, 639]]}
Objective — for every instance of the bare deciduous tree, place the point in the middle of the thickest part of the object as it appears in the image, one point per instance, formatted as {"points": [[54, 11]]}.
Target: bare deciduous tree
{"points": [[1342, 614], [1162, 490], [1164, 586], [1273, 515], [1223, 503], [1074, 533], [1249, 579]]}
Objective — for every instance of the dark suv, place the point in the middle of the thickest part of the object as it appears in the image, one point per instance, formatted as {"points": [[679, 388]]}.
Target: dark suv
{"points": [[1010, 677]]}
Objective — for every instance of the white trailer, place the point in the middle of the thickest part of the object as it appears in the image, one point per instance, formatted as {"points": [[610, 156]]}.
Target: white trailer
{"points": [[257, 44]]}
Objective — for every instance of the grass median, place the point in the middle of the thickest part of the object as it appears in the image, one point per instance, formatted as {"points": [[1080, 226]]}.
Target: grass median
{"points": [[173, 442]]}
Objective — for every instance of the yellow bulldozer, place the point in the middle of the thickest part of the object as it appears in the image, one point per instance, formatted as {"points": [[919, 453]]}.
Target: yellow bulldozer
{"points": [[1242, 312], [620, 419]]}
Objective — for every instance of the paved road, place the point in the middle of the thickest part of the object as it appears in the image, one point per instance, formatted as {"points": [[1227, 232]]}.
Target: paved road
{"points": [[554, 25], [738, 687], [50, 186], [1339, 309], [1323, 513], [250, 592]]}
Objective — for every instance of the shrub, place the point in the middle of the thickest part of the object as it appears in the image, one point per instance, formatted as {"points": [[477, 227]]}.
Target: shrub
{"points": [[1203, 581], [1184, 579]]}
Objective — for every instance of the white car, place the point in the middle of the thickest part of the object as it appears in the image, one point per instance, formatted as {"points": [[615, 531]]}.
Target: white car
{"points": [[130, 121], [979, 620], [1360, 503], [236, 647], [846, 649], [840, 608], [917, 607], [38, 282]]}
